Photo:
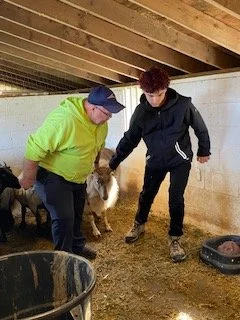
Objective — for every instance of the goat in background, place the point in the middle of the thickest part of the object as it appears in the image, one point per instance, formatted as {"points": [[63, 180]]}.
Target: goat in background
{"points": [[8, 181], [102, 192]]}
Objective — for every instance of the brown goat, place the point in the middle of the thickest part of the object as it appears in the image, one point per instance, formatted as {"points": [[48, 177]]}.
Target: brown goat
{"points": [[102, 192]]}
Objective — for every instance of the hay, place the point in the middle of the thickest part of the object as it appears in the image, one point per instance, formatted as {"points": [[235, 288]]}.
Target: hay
{"points": [[138, 281]]}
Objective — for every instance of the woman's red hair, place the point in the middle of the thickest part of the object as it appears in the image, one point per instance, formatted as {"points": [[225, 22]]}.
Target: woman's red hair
{"points": [[153, 80]]}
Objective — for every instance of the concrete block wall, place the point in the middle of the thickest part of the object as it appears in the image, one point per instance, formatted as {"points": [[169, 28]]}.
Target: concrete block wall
{"points": [[213, 192]]}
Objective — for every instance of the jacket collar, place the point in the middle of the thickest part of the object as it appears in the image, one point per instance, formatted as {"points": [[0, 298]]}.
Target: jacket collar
{"points": [[171, 98]]}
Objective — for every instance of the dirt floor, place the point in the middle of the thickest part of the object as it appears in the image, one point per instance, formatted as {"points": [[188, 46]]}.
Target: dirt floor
{"points": [[139, 281]]}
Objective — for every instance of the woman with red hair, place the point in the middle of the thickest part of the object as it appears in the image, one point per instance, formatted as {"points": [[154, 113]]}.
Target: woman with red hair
{"points": [[162, 120]]}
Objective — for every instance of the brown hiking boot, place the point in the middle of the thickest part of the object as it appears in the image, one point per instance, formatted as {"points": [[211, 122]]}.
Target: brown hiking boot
{"points": [[135, 232], [177, 252]]}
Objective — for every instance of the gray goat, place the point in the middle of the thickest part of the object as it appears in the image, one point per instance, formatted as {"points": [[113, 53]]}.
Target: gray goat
{"points": [[30, 199]]}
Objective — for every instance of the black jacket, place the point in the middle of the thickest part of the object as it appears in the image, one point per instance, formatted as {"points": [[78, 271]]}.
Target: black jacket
{"points": [[165, 131]]}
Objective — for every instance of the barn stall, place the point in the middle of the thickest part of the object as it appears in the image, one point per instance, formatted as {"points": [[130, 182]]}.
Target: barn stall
{"points": [[138, 280]]}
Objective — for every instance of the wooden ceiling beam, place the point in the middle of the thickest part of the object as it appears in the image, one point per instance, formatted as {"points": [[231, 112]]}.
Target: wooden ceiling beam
{"points": [[25, 83], [40, 75], [49, 27], [13, 74], [67, 48], [195, 21], [57, 55], [45, 61], [156, 31], [33, 77], [50, 71], [231, 7], [104, 30]]}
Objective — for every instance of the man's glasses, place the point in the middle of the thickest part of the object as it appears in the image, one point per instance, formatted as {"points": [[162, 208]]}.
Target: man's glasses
{"points": [[109, 115]]}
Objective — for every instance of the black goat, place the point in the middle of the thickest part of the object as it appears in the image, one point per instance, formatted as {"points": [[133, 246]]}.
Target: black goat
{"points": [[7, 178], [7, 181]]}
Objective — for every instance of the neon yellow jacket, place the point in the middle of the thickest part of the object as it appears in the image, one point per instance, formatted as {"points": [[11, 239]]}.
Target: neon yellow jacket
{"points": [[68, 142]]}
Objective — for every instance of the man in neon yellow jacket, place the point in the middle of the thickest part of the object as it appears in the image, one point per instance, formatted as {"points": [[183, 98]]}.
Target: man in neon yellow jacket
{"points": [[60, 155]]}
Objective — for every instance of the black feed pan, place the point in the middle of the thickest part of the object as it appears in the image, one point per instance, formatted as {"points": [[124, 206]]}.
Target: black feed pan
{"points": [[228, 264]]}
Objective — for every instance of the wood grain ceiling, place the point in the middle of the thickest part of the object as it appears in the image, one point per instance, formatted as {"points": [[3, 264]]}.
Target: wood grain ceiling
{"points": [[67, 45]]}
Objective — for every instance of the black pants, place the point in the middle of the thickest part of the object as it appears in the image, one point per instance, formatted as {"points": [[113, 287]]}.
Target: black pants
{"points": [[152, 180], [65, 201]]}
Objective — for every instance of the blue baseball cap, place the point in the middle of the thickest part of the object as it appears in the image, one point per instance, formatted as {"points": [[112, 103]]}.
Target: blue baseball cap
{"points": [[103, 96]]}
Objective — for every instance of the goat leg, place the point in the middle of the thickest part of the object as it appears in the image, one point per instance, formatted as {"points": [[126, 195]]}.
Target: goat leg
{"points": [[3, 237], [48, 221], [105, 219], [38, 218], [95, 230], [23, 212]]}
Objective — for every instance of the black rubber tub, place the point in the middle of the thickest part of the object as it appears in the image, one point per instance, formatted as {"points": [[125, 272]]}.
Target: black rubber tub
{"points": [[45, 285], [228, 264]]}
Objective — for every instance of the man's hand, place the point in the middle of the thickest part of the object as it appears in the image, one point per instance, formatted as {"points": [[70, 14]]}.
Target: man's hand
{"points": [[203, 159], [25, 182], [28, 176]]}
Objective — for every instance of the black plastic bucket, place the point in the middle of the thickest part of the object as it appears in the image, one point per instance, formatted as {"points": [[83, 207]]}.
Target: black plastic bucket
{"points": [[228, 264], [45, 285]]}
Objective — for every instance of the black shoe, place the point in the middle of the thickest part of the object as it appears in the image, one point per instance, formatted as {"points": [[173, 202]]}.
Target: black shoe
{"points": [[85, 252]]}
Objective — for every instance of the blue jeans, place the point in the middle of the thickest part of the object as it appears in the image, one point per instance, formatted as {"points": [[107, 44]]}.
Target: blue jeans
{"points": [[65, 202], [152, 181]]}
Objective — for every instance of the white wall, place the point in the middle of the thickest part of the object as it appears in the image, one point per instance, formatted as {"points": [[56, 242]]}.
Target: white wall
{"points": [[213, 193]]}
